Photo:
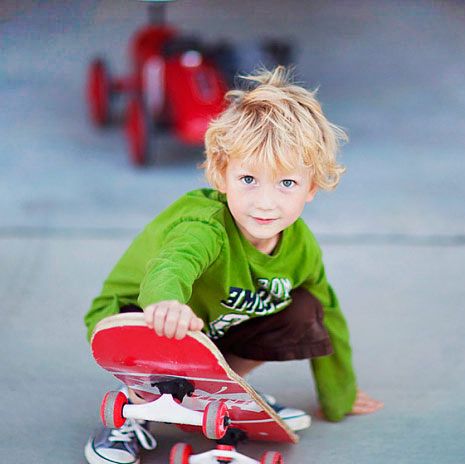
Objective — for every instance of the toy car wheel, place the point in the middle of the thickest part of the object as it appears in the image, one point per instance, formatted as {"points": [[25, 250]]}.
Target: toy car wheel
{"points": [[215, 420], [180, 453], [272, 457], [99, 92], [138, 131], [111, 410]]}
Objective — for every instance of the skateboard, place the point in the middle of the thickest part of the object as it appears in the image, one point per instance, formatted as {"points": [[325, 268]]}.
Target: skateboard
{"points": [[185, 382]]}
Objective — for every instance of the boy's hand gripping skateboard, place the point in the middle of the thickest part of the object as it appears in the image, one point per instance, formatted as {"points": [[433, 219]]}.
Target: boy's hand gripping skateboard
{"points": [[185, 382]]}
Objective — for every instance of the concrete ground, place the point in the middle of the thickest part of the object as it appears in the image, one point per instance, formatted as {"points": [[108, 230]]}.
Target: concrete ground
{"points": [[393, 233]]}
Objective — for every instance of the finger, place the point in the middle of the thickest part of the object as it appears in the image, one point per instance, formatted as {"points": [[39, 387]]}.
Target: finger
{"points": [[366, 408], [185, 315], [181, 329], [362, 395], [360, 411], [196, 324], [171, 321], [159, 317], [367, 402], [148, 315]]}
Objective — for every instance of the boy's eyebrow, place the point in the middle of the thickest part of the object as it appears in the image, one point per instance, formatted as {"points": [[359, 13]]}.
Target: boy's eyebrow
{"points": [[246, 169], [277, 177]]}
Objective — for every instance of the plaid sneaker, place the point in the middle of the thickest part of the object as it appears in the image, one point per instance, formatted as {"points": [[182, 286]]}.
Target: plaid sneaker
{"points": [[119, 446], [295, 419]]}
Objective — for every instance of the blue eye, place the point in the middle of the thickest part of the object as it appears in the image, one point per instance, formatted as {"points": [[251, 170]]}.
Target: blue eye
{"points": [[288, 183], [247, 180]]}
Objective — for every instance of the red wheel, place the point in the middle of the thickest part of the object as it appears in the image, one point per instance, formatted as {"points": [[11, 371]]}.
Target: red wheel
{"points": [[272, 457], [98, 92], [224, 459], [215, 420], [180, 453], [138, 131], [111, 410]]}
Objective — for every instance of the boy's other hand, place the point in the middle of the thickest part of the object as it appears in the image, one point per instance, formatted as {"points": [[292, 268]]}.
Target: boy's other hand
{"points": [[364, 404], [172, 319]]}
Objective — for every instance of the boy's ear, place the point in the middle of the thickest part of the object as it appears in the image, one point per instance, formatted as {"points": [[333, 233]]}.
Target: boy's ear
{"points": [[311, 193], [221, 184]]}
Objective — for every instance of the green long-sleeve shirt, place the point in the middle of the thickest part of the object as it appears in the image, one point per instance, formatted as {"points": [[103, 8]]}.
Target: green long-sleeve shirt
{"points": [[193, 252]]}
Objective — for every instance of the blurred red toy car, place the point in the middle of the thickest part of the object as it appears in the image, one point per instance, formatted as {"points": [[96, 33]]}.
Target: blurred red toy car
{"points": [[173, 83]]}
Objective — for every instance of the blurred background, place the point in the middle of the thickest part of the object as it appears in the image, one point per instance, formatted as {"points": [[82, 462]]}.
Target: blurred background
{"points": [[391, 73]]}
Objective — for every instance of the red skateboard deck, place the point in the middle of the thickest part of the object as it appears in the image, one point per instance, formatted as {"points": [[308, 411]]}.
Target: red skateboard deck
{"points": [[124, 346]]}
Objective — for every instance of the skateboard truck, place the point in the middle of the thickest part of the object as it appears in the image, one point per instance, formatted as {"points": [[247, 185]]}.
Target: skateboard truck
{"points": [[225, 452], [233, 437], [179, 388], [214, 420]]}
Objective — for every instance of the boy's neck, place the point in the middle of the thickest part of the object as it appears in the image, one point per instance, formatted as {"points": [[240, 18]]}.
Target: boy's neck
{"points": [[268, 246], [265, 246]]}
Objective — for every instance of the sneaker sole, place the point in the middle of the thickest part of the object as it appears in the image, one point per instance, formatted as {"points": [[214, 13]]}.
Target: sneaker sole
{"points": [[298, 423]]}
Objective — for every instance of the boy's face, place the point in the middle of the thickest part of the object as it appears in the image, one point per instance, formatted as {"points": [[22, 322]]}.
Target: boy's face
{"points": [[263, 204]]}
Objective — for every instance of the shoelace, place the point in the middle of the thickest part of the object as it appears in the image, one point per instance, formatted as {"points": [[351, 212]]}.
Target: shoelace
{"points": [[129, 429]]}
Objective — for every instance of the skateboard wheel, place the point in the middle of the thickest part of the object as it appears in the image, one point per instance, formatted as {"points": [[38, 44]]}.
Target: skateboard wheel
{"points": [[180, 453], [272, 457], [224, 459], [111, 410], [215, 420]]}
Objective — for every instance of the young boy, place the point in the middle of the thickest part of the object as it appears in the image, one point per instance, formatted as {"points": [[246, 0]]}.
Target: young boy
{"points": [[237, 261]]}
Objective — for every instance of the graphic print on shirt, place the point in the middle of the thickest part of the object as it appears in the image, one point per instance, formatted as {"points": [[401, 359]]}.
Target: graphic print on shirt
{"points": [[271, 296]]}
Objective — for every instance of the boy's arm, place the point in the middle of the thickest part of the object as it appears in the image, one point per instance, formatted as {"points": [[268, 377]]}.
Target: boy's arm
{"points": [[164, 274], [188, 250], [334, 374]]}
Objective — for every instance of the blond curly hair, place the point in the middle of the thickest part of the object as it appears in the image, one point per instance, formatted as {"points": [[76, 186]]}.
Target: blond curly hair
{"points": [[275, 123]]}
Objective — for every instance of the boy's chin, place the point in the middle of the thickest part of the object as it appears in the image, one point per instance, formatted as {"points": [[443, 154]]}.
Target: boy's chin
{"points": [[263, 235]]}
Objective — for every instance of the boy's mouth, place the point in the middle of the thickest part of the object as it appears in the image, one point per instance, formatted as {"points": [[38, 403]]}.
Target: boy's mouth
{"points": [[263, 220]]}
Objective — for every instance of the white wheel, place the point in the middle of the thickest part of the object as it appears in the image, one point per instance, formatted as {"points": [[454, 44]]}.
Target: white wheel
{"points": [[111, 410], [215, 420], [180, 453]]}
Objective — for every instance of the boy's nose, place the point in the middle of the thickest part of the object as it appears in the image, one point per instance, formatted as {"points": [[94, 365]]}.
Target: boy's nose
{"points": [[264, 200]]}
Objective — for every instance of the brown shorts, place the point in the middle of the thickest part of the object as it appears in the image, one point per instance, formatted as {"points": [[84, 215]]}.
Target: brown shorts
{"points": [[296, 332]]}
